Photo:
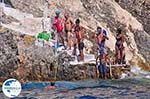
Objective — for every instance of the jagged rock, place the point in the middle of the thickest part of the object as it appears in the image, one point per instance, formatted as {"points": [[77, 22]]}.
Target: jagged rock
{"points": [[8, 52], [35, 7], [139, 9], [76, 72], [7, 19], [37, 59], [39, 63], [143, 42]]}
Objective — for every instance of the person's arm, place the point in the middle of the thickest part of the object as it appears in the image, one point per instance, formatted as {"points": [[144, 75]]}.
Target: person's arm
{"points": [[53, 26], [73, 25], [104, 33], [97, 39], [62, 21], [105, 36], [73, 28], [123, 38], [93, 35], [81, 34], [71, 21]]}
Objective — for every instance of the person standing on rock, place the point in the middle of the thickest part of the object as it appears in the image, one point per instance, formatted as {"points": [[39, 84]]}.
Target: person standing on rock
{"points": [[79, 37], [68, 25], [101, 39], [119, 47], [57, 26]]}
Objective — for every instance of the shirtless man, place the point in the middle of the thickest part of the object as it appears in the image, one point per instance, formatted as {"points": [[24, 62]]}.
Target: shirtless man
{"points": [[101, 40], [68, 25], [79, 37]]}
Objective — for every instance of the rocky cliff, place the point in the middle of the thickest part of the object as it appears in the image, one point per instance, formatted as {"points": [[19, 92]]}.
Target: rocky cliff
{"points": [[131, 16], [139, 9], [8, 52]]}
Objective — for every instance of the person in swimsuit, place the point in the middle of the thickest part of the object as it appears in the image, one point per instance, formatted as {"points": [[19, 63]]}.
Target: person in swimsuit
{"points": [[57, 25], [68, 25], [101, 39], [79, 37], [119, 47]]}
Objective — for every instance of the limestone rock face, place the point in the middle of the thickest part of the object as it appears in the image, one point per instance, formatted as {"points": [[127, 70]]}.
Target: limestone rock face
{"points": [[36, 60], [31, 6], [8, 52], [7, 19], [139, 9], [77, 72], [143, 43]]}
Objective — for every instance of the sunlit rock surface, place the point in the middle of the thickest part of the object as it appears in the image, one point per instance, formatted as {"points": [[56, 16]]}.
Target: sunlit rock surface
{"points": [[139, 9]]}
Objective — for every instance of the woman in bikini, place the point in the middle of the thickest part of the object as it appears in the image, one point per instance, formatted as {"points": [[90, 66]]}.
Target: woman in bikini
{"points": [[119, 47]]}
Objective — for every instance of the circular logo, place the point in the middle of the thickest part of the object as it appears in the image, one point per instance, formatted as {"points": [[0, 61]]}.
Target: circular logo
{"points": [[11, 88]]}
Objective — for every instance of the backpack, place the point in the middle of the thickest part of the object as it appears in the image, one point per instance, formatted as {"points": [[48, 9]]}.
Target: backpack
{"points": [[58, 24]]}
